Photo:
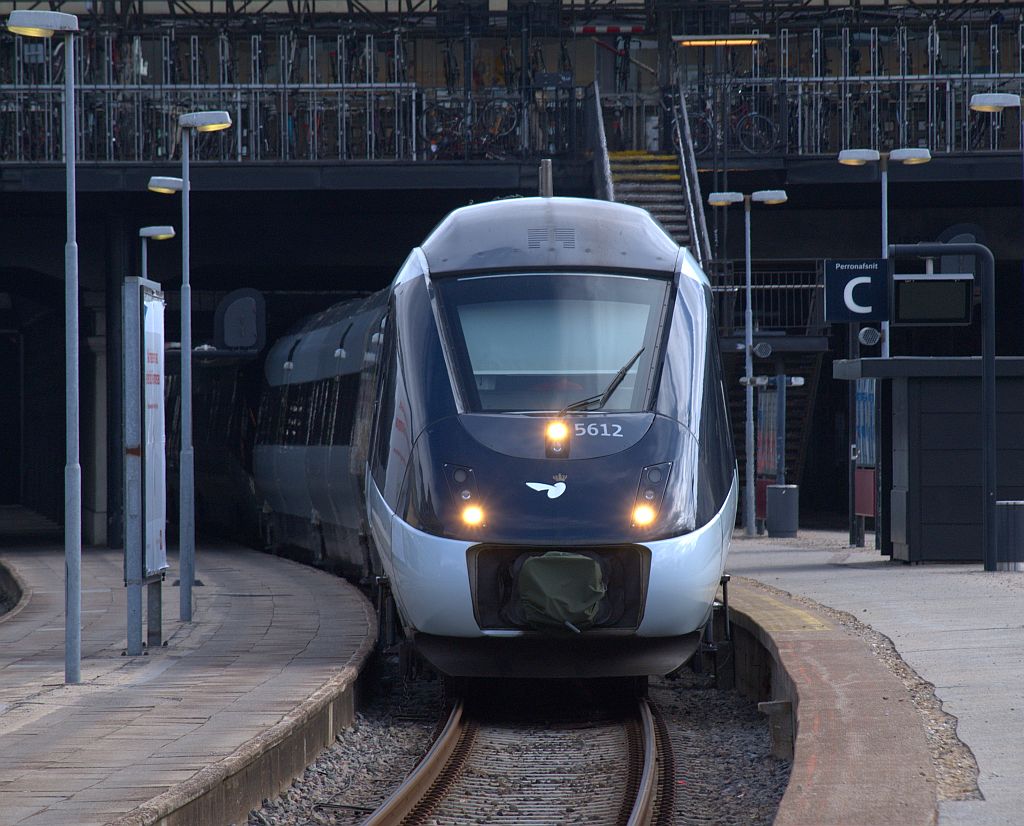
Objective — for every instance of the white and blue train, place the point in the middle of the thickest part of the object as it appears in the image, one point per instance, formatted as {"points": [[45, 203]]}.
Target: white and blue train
{"points": [[523, 442]]}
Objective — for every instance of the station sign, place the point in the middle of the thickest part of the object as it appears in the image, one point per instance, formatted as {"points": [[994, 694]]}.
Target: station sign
{"points": [[856, 290]]}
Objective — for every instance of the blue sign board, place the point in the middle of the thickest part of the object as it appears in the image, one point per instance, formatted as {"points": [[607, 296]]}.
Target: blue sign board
{"points": [[857, 290]]}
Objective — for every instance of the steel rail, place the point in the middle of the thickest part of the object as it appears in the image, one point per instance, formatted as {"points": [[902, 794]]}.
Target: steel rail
{"points": [[405, 798], [646, 795], [418, 796]]}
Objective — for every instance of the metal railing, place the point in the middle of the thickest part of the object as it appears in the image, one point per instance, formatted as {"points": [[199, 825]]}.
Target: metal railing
{"points": [[597, 145], [821, 116], [402, 121], [307, 122], [700, 240], [740, 118], [786, 299]]}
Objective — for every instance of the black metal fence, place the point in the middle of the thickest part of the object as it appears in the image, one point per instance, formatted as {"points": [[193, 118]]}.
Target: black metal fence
{"points": [[786, 297]]}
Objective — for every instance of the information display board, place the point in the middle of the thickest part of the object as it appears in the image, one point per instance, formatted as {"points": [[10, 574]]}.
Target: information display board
{"points": [[154, 462], [933, 299]]}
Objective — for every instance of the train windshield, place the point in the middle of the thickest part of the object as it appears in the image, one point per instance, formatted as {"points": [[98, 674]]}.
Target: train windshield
{"points": [[548, 341]]}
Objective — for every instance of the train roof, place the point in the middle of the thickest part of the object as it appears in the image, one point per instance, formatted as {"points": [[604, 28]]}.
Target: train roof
{"points": [[529, 233]]}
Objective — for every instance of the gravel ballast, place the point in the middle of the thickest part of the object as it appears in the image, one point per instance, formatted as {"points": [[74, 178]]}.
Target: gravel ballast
{"points": [[725, 773]]}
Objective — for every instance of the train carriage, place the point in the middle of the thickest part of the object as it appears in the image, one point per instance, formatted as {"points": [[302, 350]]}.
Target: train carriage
{"points": [[535, 460]]}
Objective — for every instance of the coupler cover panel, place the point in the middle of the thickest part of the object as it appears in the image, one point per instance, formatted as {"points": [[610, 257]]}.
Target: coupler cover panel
{"points": [[560, 589]]}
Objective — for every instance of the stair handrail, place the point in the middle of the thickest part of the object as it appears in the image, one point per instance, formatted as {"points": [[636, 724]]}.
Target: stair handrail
{"points": [[604, 189], [701, 242]]}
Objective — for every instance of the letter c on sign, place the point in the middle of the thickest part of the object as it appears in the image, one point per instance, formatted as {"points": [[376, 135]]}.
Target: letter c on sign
{"points": [[848, 294]]}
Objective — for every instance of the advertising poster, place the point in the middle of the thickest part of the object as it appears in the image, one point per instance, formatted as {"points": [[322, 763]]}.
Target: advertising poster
{"points": [[155, 499]]}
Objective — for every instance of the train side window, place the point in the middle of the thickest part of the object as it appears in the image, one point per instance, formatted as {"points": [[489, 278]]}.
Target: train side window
{"points": [[317, 411], [385, 407], [345, 402], [331, 413], [264, 416]]}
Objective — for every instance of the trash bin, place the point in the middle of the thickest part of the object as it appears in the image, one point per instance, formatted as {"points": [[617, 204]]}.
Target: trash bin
{"points": [[1010, 536], [783, 510]]}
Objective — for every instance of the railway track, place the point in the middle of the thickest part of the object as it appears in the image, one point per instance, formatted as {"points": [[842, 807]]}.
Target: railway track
{"points": [[616, 770]]}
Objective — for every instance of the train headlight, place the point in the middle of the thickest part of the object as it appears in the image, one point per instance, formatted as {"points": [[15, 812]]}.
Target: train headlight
{"points": [[557, 431], [650, 493], [643, 515], [556, 440], [473, 515], [466, 501]]}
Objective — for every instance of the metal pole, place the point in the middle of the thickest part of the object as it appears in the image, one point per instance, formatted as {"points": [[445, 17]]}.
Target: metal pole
{"points": [[856, 540], [186, 516], [780, 424], [987, 268], [145, 263], [72, 469], [884, 165], [547, 186], [748, 339]]}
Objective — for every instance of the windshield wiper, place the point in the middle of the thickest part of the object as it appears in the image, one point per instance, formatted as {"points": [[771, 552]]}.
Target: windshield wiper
{"points": [[602, 398]]}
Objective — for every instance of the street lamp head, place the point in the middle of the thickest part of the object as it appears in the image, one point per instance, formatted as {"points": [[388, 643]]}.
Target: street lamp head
{"points": [[910, 155], [725, 198], [157, 233], [164, 185], [205, 121], [769, 196], [994, 101], [38, 23], [858, 157]]}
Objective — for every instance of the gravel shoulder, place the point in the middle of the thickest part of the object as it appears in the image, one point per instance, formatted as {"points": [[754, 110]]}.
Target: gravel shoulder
{"points": [[956, 768]]}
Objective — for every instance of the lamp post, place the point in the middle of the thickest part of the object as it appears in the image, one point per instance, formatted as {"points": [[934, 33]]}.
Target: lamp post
{"points": [[994, 102], [201, 122], [161, 233], [33, 23], [724, 199], [909, 156]]}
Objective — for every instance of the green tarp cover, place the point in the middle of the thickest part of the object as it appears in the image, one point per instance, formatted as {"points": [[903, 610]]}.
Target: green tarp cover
{"points": [[559, 587]]}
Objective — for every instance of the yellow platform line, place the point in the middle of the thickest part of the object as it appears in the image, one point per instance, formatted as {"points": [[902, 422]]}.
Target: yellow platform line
{"points": [[773, 615]]}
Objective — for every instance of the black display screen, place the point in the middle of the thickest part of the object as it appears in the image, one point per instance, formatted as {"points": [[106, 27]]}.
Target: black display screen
{"points": [[940, 301]]}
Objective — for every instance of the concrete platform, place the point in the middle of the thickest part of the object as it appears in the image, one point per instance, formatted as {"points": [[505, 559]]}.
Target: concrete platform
{"points": [[237, 703], [959, 627]]}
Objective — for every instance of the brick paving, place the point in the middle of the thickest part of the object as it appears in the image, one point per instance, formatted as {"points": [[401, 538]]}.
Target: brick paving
{"points": [[267, 634]]}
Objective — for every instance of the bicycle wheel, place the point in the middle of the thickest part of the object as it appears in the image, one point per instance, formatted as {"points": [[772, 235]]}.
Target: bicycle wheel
{"points": [[701, 134], [499, 118], [756, 133], [441, 132]]}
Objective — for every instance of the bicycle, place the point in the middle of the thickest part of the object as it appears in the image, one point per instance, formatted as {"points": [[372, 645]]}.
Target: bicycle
{"points": [[757, 134], [443, 130], [496, 129]]}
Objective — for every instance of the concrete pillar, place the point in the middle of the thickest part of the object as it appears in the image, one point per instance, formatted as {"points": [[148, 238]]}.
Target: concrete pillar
{"points": [[94, 420], [118, 267]]}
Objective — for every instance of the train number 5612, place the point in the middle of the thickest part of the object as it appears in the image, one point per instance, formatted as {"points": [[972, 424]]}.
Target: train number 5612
{"points": [[594, 429]]}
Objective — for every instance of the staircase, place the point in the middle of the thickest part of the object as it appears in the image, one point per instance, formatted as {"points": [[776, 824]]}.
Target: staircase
{"points": [[799, 406], [651, 181]]}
